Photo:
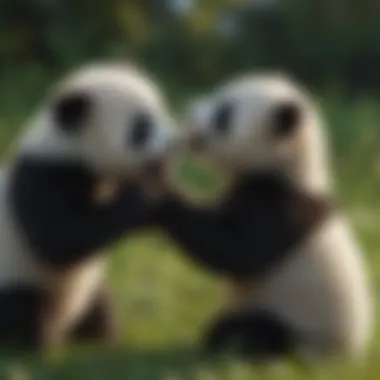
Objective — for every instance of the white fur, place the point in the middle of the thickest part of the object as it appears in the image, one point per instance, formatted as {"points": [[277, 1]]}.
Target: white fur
{"points": [[118, 92], [70, 292], [322, 289], [250, 144]]}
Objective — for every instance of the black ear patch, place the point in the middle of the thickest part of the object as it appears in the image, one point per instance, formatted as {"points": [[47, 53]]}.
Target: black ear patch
{"points": [[286, 118], [71, 110]]}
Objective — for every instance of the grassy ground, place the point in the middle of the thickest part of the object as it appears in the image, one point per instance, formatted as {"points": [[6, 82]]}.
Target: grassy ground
{"points": [[164, 301]]}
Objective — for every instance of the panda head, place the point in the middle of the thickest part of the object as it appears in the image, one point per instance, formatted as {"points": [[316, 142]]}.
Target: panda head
{"points": [[109, 117], [260, 123]]}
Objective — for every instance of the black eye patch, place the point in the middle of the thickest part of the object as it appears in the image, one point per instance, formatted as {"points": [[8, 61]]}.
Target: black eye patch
{"points": [[286, 118], [71, 110], [141, 130], [222, 119]]}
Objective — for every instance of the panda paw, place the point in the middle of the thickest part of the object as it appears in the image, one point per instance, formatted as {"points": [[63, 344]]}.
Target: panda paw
{"points": [[254, 334]]}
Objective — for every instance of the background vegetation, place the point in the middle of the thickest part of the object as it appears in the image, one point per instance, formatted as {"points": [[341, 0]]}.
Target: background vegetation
{"points": [[164, 301]]}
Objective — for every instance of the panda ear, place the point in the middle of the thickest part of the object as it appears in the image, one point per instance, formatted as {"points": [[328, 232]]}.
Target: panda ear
{"points": [[286, 118], [71, 110]]}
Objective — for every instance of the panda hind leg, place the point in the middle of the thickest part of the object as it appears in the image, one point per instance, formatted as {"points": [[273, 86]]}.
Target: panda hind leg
{"points": [[20, 321], [99, 324], [258, 335]]}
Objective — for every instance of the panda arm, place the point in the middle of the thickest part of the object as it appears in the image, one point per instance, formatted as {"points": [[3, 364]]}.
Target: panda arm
{"points": [[208, 235], [63, 236], [62, 230], [249, 239]]}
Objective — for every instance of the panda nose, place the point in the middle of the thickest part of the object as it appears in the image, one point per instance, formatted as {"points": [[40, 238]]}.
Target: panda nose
{"points": [[197, 141]]}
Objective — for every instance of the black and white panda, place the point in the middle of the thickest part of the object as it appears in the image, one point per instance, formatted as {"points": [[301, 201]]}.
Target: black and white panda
{"points": [[297, 280], [104, 122]]}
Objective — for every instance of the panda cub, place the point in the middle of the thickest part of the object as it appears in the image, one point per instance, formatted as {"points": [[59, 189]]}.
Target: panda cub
{"points": [[297, 279], [104, 122]]}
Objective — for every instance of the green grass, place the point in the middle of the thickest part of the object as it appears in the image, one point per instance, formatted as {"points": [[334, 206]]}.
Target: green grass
{"points": [[164, 301]]}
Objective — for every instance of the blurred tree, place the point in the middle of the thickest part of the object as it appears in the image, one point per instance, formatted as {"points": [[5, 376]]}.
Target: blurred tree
{"points": [[194, 43]]}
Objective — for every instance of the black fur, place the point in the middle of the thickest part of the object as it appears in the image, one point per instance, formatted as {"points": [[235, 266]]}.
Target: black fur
{"points": [[141, 130], [286, 118], [20, 318], [255, 334], [223, 118], [253, 230], [53, 204], [71, 111]]}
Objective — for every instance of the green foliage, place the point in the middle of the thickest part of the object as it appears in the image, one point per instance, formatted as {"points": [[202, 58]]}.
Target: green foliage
{"points": [[317, 41]]}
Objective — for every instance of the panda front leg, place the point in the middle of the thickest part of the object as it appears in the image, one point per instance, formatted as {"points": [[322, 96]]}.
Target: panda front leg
{"points": [[99, 324], [257, 335]]}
